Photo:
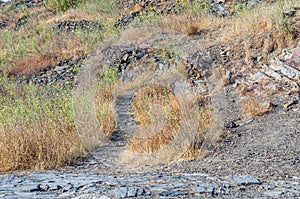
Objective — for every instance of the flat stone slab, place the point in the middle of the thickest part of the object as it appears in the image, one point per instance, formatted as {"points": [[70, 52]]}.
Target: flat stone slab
{"points": [[245, 180], [144, 185]]}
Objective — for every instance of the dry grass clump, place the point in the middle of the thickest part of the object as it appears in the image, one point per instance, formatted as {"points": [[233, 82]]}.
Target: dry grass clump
{"points": [[38, 147], [204, 131], [106, 111], [188, 25], [105, 101], [37, 129], [157, 110], [205, 121], [171, 126], [31, 52], [32, 64], [252, 107]]}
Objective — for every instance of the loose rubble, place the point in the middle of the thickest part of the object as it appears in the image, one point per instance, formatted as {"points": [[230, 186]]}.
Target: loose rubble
{"points": [[148, 185], [279, 75], [63, 73], [85, 25], [128, 59], [219, 8]]}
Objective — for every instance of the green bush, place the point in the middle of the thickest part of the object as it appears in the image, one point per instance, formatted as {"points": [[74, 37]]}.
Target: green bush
{"points": [[63, 5]]}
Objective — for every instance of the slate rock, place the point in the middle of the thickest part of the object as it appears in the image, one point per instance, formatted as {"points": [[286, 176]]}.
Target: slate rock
{"points": [[203, 189], [143, 191], [274, 194], [121, 192], [132, 192], [8, 179], [258, 76], [267, 187], [231, 124], [245, 180], [39, 188]]}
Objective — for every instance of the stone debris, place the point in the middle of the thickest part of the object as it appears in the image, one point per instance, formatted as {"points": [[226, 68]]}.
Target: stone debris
{"points": [[198, 67], [245, 180], [29, 3], [290, 103], [21, 22], [63, 73], [273, 194], [146, 185], [134, 8], [72, 26], [294, 60], [4, 24], [279, 75]]}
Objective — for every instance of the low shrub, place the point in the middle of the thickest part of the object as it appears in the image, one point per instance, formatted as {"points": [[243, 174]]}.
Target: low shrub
{"points": [[37, 129], [63, 5], [105, 101]]}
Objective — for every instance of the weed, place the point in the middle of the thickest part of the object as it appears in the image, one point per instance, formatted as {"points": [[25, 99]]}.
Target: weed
{"points": [[147, 18], [105, 101], [155, 107], [252, 107], [63, 5], [31, 65], [105, 8], [37, 130]]}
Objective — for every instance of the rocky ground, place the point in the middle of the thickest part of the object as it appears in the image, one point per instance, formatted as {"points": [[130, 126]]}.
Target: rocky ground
{"points": [[257, 157]]}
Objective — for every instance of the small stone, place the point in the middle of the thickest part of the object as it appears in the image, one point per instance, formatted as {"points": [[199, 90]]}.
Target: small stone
{"points": [[245, 180], [121, 192], [161, 66], [290, 103], [247, 122], [228, 76], [125, 57], [55, 188], [259, 58], [45, 187], [132, 191], [231, 124], [252, 2], [39, 188], [141, 191], [274, 194], [258, 76], [272, 73], [214, 192], [60, 69], [267, 187], [203, 189]]}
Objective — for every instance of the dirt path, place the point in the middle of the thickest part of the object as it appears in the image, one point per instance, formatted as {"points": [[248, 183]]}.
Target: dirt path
{"points": [[105, 158]]}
